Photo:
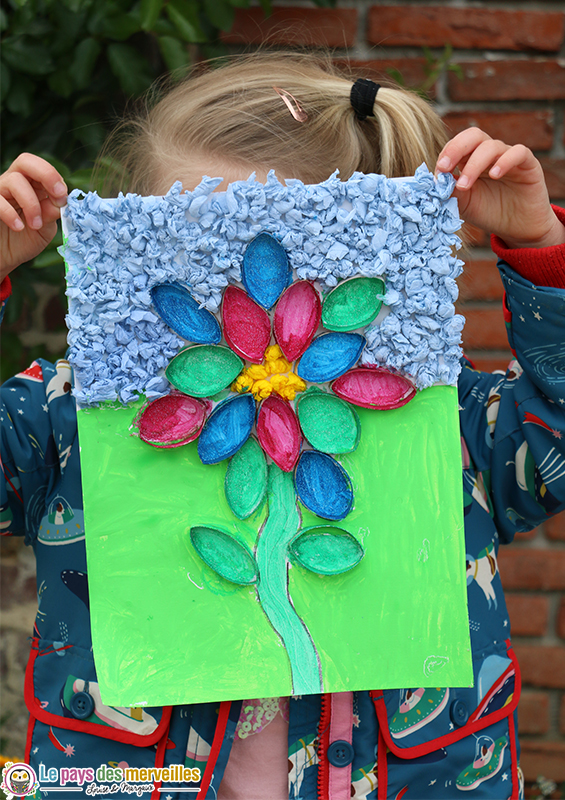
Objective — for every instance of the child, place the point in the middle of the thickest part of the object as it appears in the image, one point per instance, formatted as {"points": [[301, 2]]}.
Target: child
{"points": [[231, 122]]}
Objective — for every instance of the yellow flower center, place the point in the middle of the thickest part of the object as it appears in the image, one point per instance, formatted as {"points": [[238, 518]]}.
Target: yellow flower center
{"points": [[273, 375]]}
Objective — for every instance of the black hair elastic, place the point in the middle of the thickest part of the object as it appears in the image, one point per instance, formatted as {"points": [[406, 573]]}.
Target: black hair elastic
{"points": [[362, 97]]}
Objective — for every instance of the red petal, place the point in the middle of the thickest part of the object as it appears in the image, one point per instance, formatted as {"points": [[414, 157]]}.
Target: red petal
{"points": [[172, 421], [374, 388], [247, 327], [279, 432], [297, 317]]}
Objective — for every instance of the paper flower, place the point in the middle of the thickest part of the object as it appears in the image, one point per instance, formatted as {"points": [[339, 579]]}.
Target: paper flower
{"points": [[299, 426]]}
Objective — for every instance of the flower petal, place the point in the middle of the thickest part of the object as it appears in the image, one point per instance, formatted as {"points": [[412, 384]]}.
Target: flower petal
{"points": [[245, 485], [278, 432], [226, 429], [374, 388], [328, 422], [176, 306], [353, 304], [329, 356], [171, 421], [247, 327], [323, 485], [297, 317], [203, 370], [265, 271]]}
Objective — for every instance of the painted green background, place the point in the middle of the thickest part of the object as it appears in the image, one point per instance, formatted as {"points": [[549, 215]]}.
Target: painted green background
{"points": [[168, 630]]}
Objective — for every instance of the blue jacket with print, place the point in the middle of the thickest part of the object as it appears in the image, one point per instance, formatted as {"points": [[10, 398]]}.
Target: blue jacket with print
{"points": [[410, 743]]}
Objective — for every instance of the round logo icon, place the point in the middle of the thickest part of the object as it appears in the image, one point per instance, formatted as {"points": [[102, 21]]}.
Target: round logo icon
{"points": [[19, 780]]}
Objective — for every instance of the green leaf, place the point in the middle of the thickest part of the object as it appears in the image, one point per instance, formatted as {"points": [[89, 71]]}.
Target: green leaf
{"points": [[19, 100], [61, 82], [326, 550], [220, 14], [149, 13], [175, 54], [184, 16], [120, 27], [3, 20], [48, 258], [85, 56], [81, 179], [267, 7], [222, 552], [239, 3], [129, 66], [27, 56]]}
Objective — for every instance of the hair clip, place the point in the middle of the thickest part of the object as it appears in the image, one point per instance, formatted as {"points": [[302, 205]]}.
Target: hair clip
{"points": [[296, 110]]}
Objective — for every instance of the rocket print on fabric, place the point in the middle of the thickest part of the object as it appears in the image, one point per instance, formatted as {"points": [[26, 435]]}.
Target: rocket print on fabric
{"points": [[482, 569]]}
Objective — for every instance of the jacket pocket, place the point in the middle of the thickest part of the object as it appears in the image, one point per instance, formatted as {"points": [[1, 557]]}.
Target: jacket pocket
{"points": [[61, 690], [419, 721]]}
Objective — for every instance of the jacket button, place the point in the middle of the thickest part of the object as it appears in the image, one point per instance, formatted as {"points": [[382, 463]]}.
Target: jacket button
{"points": [[459, 713], [340, 753], [82, 705]]}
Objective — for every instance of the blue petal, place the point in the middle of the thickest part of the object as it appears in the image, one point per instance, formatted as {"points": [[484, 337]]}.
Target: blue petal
{"points": [[226, 429], [329, 356], [323, 485], [176, 306], [265, 271]]}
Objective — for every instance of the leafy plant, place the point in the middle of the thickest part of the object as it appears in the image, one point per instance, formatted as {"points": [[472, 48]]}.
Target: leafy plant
{"points": [[433, 68]]}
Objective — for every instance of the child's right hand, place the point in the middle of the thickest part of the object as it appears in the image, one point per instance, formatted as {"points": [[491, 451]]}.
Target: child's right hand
{"points": [[31, 196]]}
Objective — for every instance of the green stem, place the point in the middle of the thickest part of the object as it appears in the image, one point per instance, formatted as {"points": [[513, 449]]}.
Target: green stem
{"points": [[280, 527]]}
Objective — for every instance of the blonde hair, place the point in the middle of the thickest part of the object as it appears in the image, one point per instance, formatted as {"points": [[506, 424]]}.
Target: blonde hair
{"points": [[233, 114]]}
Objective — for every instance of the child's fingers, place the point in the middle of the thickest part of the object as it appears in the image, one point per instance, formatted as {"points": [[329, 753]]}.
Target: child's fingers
{"points": [[481, 161], [37, 169], [458, 149], [517, 156], [16, 187], [10, 216]]}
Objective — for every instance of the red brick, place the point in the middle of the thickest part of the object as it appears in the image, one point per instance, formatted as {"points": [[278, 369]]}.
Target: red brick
{"points": [[480, 281], [541, 666], [481, 28], [532, 568], [484, 328], [555, 527], [412, 70], [562, 715], [554, 171], [542, 758], [489, 363], [533, 712], [331, 27], [532, 128], [509, 79], [525, 536], [560, 623], [528, 614]]}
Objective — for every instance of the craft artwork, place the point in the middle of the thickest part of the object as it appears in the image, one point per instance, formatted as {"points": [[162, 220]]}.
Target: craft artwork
{"points": [[269, 437]]}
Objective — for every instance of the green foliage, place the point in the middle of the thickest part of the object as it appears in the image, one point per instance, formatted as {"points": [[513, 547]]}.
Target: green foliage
{"points": [[67, 70]]}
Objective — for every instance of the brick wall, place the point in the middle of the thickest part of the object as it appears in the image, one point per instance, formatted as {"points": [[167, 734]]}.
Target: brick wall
{"points": [[512, 56]]}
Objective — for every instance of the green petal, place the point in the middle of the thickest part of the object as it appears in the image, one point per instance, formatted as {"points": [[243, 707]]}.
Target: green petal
{"points": [[352, 304], [329, 423], [203, 370], [246, 479]]}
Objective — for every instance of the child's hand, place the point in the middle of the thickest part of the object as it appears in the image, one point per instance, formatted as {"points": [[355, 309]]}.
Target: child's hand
{"points": [[31, 195], [501, 189]]}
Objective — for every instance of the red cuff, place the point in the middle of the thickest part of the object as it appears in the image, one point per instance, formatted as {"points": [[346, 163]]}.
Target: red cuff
{"points": [[5, 289], [543, 266]]}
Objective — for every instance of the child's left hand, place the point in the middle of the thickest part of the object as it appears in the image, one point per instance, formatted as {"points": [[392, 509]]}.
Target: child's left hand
{"points": [[501, 189]]}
